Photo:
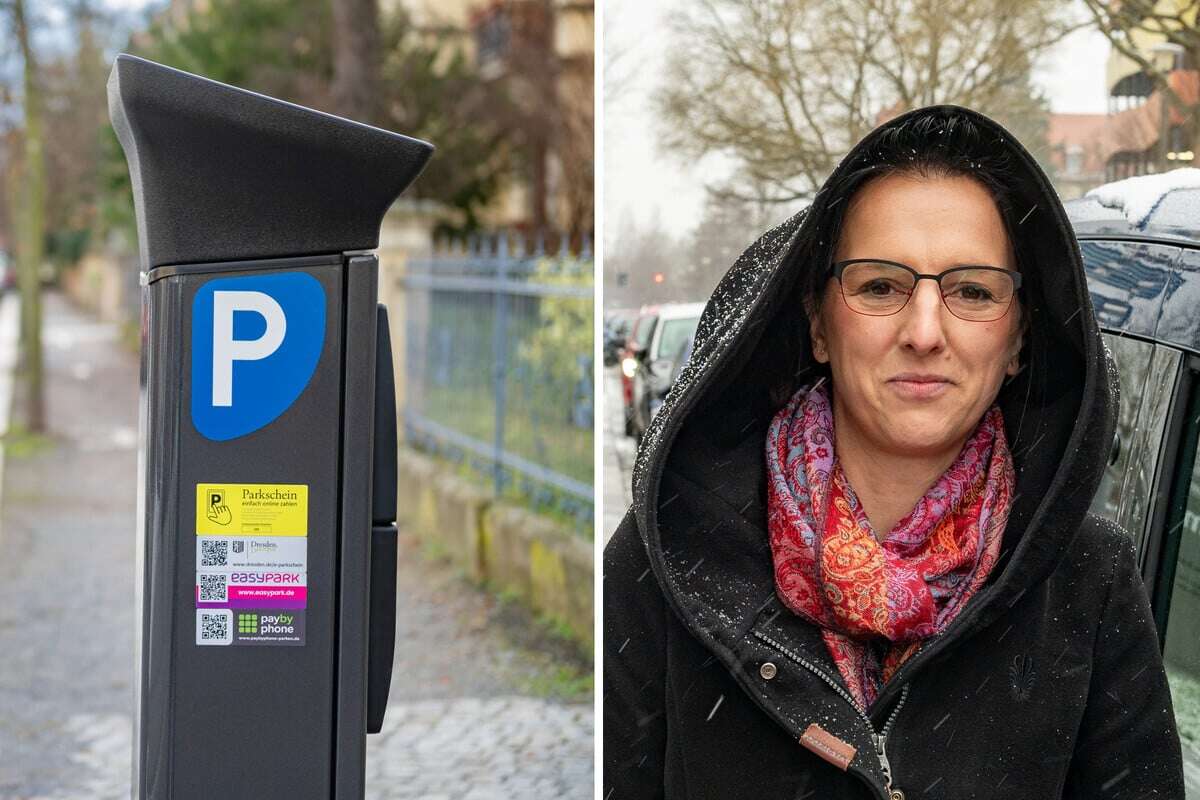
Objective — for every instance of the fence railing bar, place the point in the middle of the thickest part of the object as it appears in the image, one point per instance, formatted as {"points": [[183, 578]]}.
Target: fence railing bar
{"points": [[500, 360], [487, 451]]}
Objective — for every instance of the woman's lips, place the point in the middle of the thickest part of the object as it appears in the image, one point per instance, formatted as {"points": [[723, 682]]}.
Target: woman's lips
{"points": [[919, 388]]}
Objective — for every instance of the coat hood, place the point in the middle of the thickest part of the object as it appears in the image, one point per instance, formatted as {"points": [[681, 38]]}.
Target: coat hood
{"points": [[699, 483]]}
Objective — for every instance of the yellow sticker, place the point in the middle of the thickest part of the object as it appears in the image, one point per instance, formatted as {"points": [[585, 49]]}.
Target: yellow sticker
{"points": [[262, 509]]}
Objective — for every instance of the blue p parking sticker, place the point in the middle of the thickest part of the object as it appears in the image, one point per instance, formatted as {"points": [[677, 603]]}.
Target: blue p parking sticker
{"points": [[256, 341]]}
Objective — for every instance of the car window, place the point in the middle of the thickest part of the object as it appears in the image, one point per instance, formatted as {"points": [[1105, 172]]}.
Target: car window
{"points": [[1146, 375], [1127, 282], [1181, 573], [674, 333], [645, 330]]}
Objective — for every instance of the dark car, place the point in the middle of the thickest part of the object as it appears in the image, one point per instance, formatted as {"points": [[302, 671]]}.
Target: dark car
{"points": [[636, 344], [617, 324], [1140, 241]]}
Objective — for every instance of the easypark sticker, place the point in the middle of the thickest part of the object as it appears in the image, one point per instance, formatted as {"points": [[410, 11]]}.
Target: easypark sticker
{"points": [[239, 509], [285, 589]]}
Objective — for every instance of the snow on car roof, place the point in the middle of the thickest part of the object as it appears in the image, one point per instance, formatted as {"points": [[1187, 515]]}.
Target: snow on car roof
{"points": [[1141, 197], [681, 310]]}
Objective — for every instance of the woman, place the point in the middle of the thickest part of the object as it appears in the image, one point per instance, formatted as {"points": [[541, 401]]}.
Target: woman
{"points": [[859, 562]]}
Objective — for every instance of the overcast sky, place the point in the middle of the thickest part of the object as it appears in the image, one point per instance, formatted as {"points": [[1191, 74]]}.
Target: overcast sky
{"points": [[641, 183]]}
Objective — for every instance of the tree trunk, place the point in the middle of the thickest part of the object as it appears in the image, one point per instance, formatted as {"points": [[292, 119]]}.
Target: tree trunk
{"points": [[355, 59], [31, 230]]}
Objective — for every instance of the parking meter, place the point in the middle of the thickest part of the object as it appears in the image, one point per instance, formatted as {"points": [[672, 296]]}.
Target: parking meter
{"points": [[266, 549]]}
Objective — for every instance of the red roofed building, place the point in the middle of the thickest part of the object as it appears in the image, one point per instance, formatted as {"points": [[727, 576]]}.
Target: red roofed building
{"points": [[1077, 152]]}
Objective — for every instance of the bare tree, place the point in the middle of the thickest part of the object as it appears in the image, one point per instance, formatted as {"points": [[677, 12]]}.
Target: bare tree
{"points": [[9, 147], [356, 58], [31, 224], [786, 87], [1130, 23], [573, 144], [74, 107], [725, 229], [621, 61]]}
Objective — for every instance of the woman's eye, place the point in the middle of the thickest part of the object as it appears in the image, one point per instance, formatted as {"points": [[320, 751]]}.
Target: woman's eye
{"points": [[978, 294], [878, 288]]}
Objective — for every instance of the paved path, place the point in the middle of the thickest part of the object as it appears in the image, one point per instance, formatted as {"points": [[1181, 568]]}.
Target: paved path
{"points": [[479, 706], [66, 573]]}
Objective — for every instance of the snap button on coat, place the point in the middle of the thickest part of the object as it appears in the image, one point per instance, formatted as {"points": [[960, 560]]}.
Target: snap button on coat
{"points": [[767, 670]]}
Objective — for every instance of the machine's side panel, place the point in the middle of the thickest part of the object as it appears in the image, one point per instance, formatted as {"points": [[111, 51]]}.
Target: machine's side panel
{"points": [[354, 588], [156, 545]]}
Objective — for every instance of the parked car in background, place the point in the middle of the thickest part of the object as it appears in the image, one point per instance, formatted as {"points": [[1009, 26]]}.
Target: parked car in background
{"points": [[1140, 241], [8, 272], [656, 362], [681, 359], [617, 324], [640, 334]]}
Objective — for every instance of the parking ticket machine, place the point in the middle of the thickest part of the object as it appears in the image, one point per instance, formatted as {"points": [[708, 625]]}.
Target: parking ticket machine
{"points": [[266, 549]]}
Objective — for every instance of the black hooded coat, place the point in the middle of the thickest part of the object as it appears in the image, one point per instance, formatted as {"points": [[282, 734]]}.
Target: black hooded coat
{"points": [[1048, 684]]}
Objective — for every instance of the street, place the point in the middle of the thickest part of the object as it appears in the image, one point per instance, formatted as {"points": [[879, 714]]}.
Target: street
{"points": [[619, 453], [482, 704]]}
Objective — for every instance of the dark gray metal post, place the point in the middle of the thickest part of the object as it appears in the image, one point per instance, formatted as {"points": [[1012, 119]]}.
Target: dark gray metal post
{"points": [[257, 516]]}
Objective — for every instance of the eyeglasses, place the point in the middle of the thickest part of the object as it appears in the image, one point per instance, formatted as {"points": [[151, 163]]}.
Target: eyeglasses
{"points": [[877, 288]]}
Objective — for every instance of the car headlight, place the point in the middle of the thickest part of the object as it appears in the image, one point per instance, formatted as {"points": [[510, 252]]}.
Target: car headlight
{"points": [[629, 366]]}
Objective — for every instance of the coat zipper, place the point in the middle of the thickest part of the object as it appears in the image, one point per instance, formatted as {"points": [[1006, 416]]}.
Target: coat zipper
{"points": [[878, 739], [881, 740]]}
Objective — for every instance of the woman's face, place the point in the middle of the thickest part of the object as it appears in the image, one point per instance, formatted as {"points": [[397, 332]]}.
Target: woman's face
{"points": [[916, 383]]}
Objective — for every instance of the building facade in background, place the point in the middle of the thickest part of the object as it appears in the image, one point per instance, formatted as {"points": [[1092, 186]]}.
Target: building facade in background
{"points": [[1142, 131], [1077, 152], [541, 52], [1146, 133]]}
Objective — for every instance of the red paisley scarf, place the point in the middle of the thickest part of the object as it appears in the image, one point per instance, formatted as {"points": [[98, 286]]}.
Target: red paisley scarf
{"points": [[875, 601]]}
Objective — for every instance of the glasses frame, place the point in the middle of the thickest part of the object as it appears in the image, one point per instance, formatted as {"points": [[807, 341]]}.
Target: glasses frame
{"points": [[840, 266]]}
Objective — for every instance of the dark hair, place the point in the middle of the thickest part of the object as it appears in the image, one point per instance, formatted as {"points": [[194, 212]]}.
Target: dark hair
{"points": [[940, 143]]}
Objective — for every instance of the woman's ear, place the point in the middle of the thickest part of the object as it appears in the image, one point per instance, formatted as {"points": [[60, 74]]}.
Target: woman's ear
{"points": [[816, 332], [1014, 361]]}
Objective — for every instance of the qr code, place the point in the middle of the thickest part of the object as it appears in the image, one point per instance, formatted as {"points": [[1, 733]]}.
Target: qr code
{"points": [[214, 553], [213, 588], [214, 627]]}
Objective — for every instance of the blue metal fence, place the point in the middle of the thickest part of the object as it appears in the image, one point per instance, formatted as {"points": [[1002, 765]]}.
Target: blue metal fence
{"points": [[498, 366]]}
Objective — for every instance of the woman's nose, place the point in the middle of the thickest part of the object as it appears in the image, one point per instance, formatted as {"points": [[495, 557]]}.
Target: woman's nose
{"points": [[922, 323]]}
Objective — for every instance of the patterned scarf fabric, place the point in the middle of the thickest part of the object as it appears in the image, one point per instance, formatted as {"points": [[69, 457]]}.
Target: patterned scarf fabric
{"points": [[876, 601]]}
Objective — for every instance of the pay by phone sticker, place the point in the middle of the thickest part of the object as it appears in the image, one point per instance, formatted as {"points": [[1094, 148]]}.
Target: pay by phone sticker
{"points": [[240, 509], [270, 626]]}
